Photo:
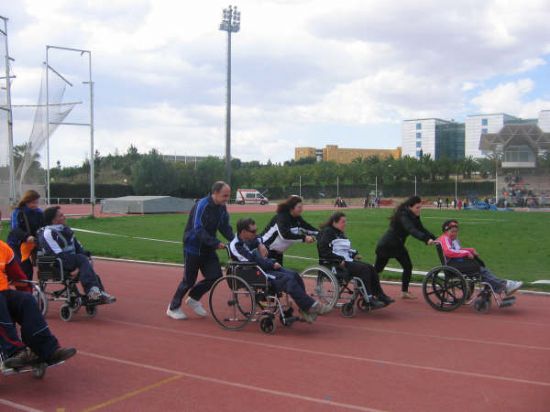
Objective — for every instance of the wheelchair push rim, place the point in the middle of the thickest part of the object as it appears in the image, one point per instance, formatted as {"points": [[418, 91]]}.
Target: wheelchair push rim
{"points": [[445, 288], [322, 285], [232, 303]]}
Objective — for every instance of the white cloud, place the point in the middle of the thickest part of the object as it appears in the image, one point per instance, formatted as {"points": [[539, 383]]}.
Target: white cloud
{"points": [[512, 98]]}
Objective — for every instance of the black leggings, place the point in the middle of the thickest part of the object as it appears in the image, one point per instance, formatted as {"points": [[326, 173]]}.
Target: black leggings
{"points": [[368, 275], [278, 256], [404, 260]]}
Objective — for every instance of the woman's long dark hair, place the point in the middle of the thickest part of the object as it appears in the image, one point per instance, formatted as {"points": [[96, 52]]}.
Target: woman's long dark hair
{"points": [[28, 196], [334, 218], [289, 204], [410, 202]]}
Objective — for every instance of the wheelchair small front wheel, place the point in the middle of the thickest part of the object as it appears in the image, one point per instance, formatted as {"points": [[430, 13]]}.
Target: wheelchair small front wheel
{"points": [[91, 311], [65, 313], [363, 305], [482, 305], [348, 310], [267, 324], [39, 371]]}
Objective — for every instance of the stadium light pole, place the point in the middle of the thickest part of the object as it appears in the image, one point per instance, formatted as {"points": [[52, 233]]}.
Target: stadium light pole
{"points": [[9, 113], [231, 23]]}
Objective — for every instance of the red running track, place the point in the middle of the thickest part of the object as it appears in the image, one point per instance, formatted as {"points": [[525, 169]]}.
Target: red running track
{"points": [[403, 358]]}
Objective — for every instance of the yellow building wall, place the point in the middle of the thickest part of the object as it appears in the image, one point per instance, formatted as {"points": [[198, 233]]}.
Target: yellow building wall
{"points": [[336, 154], [304, 152]]}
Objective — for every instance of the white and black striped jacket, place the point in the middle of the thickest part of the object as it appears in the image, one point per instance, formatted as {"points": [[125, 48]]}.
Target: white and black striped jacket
{"points": [[284, 230]]}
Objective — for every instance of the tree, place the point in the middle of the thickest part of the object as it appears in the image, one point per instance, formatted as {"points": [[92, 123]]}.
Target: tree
{"points": [[152, 175]]}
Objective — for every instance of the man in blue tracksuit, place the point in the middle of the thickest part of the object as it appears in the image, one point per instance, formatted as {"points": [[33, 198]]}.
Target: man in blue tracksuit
{"points": [[208, 216]]}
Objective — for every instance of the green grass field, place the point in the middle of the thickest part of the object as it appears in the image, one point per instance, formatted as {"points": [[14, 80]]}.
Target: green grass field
{"points": [[514, 245]]}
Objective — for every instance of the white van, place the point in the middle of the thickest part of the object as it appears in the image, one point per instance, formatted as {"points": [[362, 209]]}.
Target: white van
{"points": [[250, 197]]}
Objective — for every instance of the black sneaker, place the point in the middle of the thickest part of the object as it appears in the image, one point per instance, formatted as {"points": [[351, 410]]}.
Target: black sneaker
{"points": [[20, 359], [60, 355], [385, 299], [377, 303]]}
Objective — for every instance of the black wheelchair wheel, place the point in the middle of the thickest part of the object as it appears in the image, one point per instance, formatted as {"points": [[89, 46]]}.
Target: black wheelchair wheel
{"points": [[322, 285], [267, 324], [65, 313], [444, 288], [363, 305], [348, 310], [482, 304], [231, 301]]}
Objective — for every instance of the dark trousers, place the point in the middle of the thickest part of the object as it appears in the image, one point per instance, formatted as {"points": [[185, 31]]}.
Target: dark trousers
{"points": [[402, 256], [293, 284], [277, 256], [21, 307], [473, 266], [367, 273], [86, 272], [209, 265]]}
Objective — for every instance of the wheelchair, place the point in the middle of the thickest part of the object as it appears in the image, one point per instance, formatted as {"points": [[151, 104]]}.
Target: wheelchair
{"points": [[244, 295], [52, 274], [334, 287], [445, 289]]}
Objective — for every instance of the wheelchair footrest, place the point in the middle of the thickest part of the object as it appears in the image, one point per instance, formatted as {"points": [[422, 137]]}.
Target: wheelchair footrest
{"points": [[507, 301]]}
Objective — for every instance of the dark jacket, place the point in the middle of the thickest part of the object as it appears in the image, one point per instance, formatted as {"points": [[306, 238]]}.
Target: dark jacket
{"points": [[284, 229], [333, 246], [405, 223], [19, 231], [59, 240], [242, 251], [205, 219]]}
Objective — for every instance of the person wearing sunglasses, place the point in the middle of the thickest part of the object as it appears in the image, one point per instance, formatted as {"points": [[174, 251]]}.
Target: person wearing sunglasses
{"points": [[467, 260], [247, 247]]}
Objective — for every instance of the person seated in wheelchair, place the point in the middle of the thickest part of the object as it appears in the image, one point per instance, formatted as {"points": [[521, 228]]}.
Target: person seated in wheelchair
{"points": [[335, 249], [468, 262], [57, 239], [246, 246], [18, 305]]}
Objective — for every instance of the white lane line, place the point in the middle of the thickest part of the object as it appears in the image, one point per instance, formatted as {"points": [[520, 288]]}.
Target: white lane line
{"points": [[232, 384], [447, 338], [338, 356], [18, 406]]}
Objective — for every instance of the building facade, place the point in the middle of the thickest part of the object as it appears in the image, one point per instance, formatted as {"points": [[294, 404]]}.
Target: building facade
{"points": [[333, 153], [435, 137], [480, 124], [442, 138]]}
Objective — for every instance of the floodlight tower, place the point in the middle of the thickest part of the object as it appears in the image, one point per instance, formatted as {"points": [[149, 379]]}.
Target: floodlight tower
{"points": [[231, 23]]}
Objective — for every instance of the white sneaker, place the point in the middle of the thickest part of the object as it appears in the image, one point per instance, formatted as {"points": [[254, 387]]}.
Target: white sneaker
{"points": [[176, 313], [197, 307], [512, 286]]}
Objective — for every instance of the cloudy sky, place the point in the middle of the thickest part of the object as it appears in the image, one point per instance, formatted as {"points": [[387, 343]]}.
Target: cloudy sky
{"points": [[305, 72]]}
